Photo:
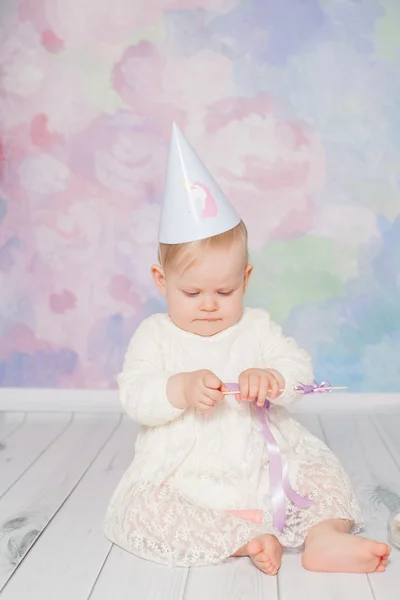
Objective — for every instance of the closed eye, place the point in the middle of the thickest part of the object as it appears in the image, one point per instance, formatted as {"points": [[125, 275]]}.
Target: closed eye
{"points": [[226, 293], [190, 294]]}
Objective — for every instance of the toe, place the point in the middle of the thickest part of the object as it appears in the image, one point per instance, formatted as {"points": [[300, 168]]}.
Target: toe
{"points": [[383, 549], [380, 569], [269, 569], [265, 564], [254, 547], [384, 561], [265, 561]]}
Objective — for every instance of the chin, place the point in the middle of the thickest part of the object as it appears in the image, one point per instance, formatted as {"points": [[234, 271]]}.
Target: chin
{"points": [[208, 328]]}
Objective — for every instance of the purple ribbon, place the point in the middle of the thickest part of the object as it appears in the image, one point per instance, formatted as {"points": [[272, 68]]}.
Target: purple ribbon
{"points": [[315, 388], [280, 486]]}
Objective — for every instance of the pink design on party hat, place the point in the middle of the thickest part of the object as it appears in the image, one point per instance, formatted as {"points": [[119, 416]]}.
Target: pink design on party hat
{"points": [[194, 205], [210, 208], [201, 200]]}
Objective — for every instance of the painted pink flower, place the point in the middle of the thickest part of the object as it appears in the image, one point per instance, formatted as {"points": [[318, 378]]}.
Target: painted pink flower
{"points": [[71, 234], [122, 289], [43, 174], [24, 65], [272, 174], [79, 24], [51, 42], [123, 156], [40, 134], [136, 247], [22, 339], [164, 90], [65, 300], [32, 85]]}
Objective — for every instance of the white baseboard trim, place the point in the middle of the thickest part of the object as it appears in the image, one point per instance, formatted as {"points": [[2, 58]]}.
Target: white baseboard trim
{"points": [[106, 401]]}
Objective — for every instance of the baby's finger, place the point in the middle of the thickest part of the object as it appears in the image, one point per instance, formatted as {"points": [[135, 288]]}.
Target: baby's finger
{"points": [[205, 403], [206, 399], [204, 407], [263, 391], [215, 395], [211, 381], [254, 385], [273, 386], [244, 386]]}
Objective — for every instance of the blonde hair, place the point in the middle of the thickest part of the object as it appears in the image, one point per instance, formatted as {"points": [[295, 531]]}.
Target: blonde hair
{"points": [[183, 256]]}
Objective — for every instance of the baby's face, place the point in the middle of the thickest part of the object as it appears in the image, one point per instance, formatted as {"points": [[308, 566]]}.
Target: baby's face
{"points": [[208, 297]]}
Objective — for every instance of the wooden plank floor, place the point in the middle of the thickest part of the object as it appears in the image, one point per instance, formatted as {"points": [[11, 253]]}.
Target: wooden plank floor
{"points": [[58, 471]]}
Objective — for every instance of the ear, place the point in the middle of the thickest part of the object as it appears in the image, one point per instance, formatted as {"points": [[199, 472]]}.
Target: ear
{"points": [[159, 278], [247, 273]]}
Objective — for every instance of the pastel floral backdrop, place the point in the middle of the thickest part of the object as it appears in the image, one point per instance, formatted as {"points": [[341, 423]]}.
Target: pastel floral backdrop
{"points": [[294, 106]]}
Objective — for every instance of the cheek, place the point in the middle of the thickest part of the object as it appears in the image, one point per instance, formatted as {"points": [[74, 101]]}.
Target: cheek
{"points": [[189, 305], [235, 305], [180, 305], [187, 310], [174, 301]]}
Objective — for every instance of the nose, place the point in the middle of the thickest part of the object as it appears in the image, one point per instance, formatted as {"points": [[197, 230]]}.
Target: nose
{"points": [[209, 303]]}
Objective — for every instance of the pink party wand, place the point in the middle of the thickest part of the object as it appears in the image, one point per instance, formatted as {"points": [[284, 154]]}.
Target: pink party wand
{"points": [[301, 388]]}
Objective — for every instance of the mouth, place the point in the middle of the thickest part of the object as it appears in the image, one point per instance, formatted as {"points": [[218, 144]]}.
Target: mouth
{"points": [[208, 320]]}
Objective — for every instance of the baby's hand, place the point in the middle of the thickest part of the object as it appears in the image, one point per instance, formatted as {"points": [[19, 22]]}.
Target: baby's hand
{"points": [[260, 384], [197, 389], [202, 389]]}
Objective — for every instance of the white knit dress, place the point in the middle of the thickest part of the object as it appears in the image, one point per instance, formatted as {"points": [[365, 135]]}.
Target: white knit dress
{"points": [[191, 467]]}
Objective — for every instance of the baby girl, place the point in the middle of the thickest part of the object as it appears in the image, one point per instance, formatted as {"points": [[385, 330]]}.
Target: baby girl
{"points": [[199, 487]]}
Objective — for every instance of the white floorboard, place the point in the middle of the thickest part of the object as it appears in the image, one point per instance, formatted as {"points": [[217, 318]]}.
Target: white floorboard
{"points": [[26, 443], [297, 583], [138, 579], [9, 422], [66, 559], [28, 506], [60, 471], [236, 579], [376, 480]]}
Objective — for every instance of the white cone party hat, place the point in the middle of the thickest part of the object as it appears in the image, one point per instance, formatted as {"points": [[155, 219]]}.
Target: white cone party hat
{"points": [[194, 205]]}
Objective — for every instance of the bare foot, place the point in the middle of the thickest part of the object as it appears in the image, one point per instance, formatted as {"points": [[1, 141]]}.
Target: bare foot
{"points": [[265, 552], [339, 552]]}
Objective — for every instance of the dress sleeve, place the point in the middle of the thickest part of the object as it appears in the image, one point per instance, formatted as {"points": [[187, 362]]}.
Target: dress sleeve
{"points": [[143, 381], [284, 355]]}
